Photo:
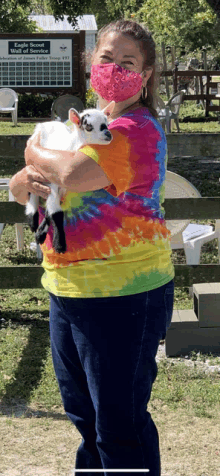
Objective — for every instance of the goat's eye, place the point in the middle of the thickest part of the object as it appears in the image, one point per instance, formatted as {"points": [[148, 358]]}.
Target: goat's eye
{"points": [[103, 127], [89, 127]]}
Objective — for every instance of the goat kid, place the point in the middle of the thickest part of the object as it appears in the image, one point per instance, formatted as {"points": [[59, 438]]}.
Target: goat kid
{"points": [[88, 127]]}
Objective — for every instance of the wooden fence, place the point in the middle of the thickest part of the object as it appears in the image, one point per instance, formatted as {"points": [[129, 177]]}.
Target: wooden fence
{"points": [[12, 277], [204, 94]]}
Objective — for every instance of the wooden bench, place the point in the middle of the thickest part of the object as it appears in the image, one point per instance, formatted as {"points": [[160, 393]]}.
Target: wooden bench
{"points": [[196, 337]]}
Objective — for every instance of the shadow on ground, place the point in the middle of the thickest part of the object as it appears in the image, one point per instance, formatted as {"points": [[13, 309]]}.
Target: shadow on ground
{"points": [[31, 365], [25, 411]]}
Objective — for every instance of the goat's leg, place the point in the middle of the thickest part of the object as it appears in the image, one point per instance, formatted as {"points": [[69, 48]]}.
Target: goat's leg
{"points": [[32, 212], [42, 230], [59, 239], [54, 215]]}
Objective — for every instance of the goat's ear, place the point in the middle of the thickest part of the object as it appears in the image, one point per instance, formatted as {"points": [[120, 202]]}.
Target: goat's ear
{"points": [[109, 109], [74, 117]]}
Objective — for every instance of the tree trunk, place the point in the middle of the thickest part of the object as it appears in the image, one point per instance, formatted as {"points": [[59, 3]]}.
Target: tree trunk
{"points": [[165, 69]]}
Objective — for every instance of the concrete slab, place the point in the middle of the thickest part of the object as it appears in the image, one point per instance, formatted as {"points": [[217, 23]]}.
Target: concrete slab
{"points": [[206, 288], [205, 291], [175, 316], [216, 288], [182, 319], [183, 341], [202, 289], [207, 304]]}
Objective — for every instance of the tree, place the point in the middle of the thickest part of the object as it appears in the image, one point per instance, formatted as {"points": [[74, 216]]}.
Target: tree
{"points": [[215, 4], [106, 11], [191, 24], [14, 14], [99, 9], [123, 8], [14, 18], [40, 7], [59, 8]]}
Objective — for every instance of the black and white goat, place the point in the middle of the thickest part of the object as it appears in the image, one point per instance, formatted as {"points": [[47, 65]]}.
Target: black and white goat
{"points": [[88, 127]]}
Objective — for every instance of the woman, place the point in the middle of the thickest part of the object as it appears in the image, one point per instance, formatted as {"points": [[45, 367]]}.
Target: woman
{"points": [[111, 293]]}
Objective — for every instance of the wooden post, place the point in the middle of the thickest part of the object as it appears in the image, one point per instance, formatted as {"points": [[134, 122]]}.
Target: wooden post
{"points": [[207, 83], [205, 59], [202, 92], [173, 55], [207, 80], [165, 69], [207, 92], [175, 79], [197, 87]]}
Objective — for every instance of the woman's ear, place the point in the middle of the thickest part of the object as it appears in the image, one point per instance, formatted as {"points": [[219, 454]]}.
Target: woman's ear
{"points": [[109, 109], [146, 74]]}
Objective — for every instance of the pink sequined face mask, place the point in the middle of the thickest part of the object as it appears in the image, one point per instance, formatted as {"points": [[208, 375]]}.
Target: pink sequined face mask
{"points": [[114, 83]]}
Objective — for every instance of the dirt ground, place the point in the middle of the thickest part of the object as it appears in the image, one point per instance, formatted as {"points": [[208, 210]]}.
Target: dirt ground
{"points": [[203, 172], [39, 443]]}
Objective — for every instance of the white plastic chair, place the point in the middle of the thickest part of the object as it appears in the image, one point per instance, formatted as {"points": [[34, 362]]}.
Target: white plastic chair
{"points": [[184, 234], [9, 103], [170, 110], [62, 104], [161, 111]]}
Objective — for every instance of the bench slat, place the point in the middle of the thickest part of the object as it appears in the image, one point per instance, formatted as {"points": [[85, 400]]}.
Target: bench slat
{"points": [[29, 277], [175, 209]]}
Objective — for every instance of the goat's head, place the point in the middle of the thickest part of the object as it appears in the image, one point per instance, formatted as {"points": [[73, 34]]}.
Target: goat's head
{"points": [[94, 124]]}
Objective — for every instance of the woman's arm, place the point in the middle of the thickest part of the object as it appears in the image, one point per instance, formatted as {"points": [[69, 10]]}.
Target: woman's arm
{"points": [[28, 180], [74, 171]]}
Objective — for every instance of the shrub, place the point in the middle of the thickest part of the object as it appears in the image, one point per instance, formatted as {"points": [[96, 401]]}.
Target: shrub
{"points": [[34, 105], [91, 98]]}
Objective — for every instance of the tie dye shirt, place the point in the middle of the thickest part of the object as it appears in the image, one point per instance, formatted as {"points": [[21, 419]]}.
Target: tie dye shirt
{"points": [[117, 240]]}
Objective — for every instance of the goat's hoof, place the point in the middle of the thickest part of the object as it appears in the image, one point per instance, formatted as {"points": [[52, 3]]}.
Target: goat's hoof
{"points": [[60, 248], [60, 245], [33, 221]]}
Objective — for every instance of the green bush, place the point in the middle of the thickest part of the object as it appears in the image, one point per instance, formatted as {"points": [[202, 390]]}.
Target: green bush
{"points": [[39, 105], [91, 98], [34, 105]]}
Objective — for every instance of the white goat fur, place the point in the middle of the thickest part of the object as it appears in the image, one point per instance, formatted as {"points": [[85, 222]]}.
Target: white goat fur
{"points": [[88, 127]]}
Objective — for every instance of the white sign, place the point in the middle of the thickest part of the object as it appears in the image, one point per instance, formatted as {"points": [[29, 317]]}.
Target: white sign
{"points": [[36, 63]]}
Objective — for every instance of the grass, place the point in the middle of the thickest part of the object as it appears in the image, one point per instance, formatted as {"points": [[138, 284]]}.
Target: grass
{"points": [[37, 437], [187, 388], [192, 117], [189, 110], [22, 128], [27, 374]]}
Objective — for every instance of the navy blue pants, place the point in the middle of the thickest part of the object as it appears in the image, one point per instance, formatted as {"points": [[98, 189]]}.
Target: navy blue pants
{"points": [[103, 353]]}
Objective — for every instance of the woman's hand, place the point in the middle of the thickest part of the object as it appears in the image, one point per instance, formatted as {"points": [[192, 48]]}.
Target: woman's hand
{"points": [[31, 149], [28, 180]]}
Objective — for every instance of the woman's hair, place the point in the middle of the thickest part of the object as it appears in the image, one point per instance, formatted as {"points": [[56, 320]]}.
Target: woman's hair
{"points": [[147, 45]]}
